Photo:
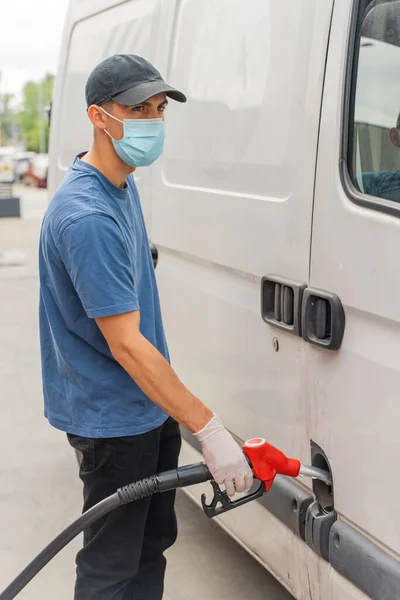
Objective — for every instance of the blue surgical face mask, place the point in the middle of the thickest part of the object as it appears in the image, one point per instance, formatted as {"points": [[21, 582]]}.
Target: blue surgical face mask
{"points": [[142, 142]]}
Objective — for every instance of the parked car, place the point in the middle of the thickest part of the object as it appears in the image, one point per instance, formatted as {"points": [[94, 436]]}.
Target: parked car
{"points": [[36, 174], [21, 163]]}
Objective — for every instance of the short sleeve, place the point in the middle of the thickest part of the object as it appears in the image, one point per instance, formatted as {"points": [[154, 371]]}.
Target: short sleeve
{"points": [[94, 253]]}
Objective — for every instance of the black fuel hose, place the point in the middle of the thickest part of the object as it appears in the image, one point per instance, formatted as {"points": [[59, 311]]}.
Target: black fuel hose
{"points": [[163, 482]]}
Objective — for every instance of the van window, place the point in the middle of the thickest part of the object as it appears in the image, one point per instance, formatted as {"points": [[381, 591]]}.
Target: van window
{"points": [[374, 148]]}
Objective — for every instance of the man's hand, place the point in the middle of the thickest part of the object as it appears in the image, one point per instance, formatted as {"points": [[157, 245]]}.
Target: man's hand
{"points": [[224, 458]]}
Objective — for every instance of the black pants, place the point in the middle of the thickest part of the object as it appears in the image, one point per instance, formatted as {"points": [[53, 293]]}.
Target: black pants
{"points": [[122, 555]]}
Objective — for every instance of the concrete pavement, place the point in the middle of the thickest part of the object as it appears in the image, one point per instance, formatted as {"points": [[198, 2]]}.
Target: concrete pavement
{"points": [[40, 492]]}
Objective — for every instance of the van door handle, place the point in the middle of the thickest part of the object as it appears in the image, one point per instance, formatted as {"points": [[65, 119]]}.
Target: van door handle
{"points": [[281, 301], [322, 319]]}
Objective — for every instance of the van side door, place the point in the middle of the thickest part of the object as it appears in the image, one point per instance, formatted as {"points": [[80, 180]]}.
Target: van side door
{"points": [[232, 203], [354, 392]]}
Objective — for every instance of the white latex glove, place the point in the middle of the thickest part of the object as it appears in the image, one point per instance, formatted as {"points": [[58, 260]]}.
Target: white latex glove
{"points": [[224, 458]]}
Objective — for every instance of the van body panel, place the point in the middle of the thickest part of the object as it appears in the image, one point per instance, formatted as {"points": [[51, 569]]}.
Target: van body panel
{"points": [[342, 589], [353, 395]]}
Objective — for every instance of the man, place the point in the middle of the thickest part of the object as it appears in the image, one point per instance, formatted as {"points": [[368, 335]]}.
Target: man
{"points": [[384, 184], [106, 375]]}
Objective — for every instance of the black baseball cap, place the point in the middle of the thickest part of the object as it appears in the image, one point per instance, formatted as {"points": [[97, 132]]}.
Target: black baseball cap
{"points": [[127, 79]]}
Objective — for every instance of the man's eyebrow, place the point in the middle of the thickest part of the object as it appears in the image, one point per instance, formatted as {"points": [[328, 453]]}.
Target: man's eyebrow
{"points": [[164, 103]]}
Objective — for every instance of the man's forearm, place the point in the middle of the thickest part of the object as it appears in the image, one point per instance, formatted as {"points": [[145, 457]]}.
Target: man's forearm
{"points": [[154, 376], [159, 382]]}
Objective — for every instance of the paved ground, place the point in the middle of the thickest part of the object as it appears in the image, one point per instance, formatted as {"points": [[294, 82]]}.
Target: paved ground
{"points": [[40, 492]]}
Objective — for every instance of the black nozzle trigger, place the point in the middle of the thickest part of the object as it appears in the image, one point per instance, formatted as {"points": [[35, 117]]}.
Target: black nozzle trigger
{"points": [[221, 498]]}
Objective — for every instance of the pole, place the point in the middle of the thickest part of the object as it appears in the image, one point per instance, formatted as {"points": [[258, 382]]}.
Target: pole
{"points": [[41, 124]]}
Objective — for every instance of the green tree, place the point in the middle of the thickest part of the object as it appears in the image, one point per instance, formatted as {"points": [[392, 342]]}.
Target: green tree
{"points": [[32, 118]]}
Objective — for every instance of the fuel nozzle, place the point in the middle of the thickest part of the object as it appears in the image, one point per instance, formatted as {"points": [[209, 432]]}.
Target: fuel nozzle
{"points": [[267, 462]]}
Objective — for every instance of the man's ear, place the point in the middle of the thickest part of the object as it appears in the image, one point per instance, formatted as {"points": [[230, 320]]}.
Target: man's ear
{"points": [[97, 117], [395, 137]]}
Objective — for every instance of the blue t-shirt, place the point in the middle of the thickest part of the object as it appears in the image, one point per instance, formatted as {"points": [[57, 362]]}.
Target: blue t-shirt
{"points": [[383, 185], [95, 261]]}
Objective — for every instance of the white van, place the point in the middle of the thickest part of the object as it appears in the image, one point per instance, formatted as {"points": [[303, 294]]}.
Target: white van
{"points": [[280, 178]]}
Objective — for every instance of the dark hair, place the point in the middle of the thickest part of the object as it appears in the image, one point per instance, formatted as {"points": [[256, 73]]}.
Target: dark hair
{"points": [[108, 105]]}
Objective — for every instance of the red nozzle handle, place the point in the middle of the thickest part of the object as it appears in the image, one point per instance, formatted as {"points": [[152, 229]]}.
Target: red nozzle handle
{"points": [[267, 461]]}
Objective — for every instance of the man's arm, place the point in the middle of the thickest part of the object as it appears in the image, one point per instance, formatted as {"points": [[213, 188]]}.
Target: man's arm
{"points": [[94, 253], [151, 371], [158, 381]]}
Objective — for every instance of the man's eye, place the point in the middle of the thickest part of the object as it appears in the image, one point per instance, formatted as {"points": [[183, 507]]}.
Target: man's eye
{"points": [[138, 109], [162, 108]]}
